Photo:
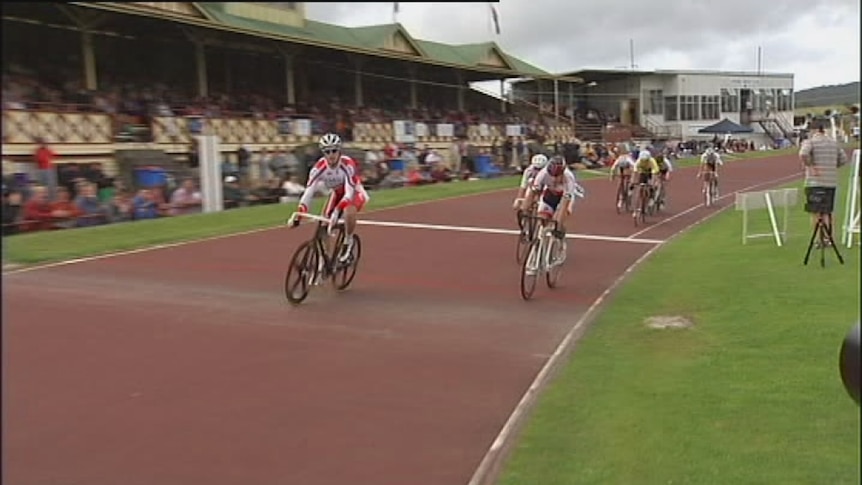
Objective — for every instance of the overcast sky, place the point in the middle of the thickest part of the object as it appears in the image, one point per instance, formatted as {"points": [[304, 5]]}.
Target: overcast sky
{"points": [[817, 40]]}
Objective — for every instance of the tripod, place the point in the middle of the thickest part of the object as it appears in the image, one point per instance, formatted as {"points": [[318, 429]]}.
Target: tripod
{"points": [[824, 231]]}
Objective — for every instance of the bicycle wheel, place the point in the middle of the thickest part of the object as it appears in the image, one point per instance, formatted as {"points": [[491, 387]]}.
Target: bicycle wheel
{"points": [[345, 272], [557, 258], [628, 199], [530, 270], [301, 273], [620, 198]]}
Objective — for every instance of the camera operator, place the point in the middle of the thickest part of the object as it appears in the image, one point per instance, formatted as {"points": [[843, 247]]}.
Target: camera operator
{"points": [[821, 156]]}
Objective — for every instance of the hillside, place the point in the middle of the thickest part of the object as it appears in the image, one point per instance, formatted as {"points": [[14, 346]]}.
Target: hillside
{"points": [[840, 94]]}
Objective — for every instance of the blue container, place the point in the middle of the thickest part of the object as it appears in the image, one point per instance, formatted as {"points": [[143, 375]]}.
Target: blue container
{"points": [[396, 164], [150, 177]]}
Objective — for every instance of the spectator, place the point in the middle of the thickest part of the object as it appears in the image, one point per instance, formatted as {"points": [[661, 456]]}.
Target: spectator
{"points": [[37, 210], [64, 213], [291, 189], [144, 206], [269, 193], [92, 211], [233, 195], [11, 211], [45, 170], [186, 199], [120, 207], [243, 158]]}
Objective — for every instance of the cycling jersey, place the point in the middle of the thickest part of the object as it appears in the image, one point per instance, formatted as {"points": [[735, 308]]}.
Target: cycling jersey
{"points": [[528, 176], [342, 179], [647, 166]]}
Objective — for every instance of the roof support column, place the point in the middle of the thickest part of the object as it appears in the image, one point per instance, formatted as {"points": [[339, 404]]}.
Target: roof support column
{"points": [[201, 64], [414, 94], [571, 101], [357, 84], [289, 55], [502, 95], [460, 90], [556, 99], [88, 54]]}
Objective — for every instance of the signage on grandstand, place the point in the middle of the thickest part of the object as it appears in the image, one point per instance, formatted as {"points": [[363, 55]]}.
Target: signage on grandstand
{"points": [[298, 127], [405, 131], [446, 130], [515, 130]]}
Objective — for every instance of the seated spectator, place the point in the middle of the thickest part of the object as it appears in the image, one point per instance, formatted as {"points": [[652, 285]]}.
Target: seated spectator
{"points": [[120, 208], [37, 210], [291, 190], [415, 176], [92, 211], [440, 173], [269, 193], [233, 195], [11, 211], [63, 211], [144, 206], [393, 179], [186, 199]]}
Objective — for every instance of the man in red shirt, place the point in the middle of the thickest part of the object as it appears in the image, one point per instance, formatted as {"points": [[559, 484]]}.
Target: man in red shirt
{"points": [[45, 171]]}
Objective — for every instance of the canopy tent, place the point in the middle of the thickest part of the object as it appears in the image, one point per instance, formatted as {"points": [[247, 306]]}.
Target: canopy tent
{"points": [[726, 126]]}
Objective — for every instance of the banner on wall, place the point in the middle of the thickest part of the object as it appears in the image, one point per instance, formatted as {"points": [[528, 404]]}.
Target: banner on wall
{"points": [[421, 130], [302, 127], [285, 126], [195, 124], [514, 130], [405, 131], [484, 131], [445, 130]]}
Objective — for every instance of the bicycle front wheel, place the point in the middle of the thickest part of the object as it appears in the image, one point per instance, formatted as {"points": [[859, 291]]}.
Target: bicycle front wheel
{"points": [[530, 270], [301, 273], [556, 258]]}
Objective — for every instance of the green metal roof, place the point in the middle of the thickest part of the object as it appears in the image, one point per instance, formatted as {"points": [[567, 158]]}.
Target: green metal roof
{"points": [[372, 38]]}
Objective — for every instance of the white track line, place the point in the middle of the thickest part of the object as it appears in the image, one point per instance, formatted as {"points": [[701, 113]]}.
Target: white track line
{"points": [[489, 468], [691, 209], [511, 232]]}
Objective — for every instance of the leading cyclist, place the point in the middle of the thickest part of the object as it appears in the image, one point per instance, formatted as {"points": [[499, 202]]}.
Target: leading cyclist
{"points": [[338, 173], [555, 184], [709, 163]]}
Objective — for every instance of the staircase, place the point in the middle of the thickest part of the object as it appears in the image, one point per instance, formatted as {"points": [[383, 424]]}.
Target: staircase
{"points": [[776, 127], [130, 159]]}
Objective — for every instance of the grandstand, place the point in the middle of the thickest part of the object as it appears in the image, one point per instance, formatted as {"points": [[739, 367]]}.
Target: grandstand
{"points": [[93, 79]]}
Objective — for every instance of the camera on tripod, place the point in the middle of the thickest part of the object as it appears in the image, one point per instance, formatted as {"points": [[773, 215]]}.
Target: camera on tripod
{"points": [[821, 201]]}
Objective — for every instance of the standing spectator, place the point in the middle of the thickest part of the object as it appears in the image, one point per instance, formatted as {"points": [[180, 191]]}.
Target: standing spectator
{"points": [[45, 170], [821, 156], [186, 199], [263, 165], [243, 157], [92, 211]]}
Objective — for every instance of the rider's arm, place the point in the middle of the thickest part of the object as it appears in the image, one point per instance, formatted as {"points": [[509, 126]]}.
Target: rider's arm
{"points": [[525, 179], [669, 165], [614, 166], [571, 188], [653, 166], [350, 182], [308, 193]]}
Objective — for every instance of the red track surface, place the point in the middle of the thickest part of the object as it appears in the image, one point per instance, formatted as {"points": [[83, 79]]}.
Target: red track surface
{"points": [[186, 366]]}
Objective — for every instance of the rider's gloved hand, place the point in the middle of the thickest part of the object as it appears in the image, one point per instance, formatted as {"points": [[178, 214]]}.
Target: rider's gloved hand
{"points": [[301, 209], [516, 204]]}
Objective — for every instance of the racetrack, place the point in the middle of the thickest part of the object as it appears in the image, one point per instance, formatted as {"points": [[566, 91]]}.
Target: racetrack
{"points": [[185, 365]]}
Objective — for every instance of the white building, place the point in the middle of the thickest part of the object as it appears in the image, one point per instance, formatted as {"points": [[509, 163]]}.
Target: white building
{"points": [[675, 104]]}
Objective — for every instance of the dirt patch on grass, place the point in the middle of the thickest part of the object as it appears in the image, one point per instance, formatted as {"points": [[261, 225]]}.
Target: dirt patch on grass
{"points": [[662, 322]]}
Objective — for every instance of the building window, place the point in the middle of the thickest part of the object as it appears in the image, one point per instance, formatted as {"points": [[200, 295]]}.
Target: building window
{"points": [[671, 105], [281, 5], [654, 102], [689, 108], [730, 100], [785, 100], [709, 108]]}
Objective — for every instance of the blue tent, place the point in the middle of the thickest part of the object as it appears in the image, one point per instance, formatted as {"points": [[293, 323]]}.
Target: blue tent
{"points": [[726, 126]]}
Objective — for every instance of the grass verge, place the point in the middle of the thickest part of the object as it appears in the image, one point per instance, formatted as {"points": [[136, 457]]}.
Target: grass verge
{"points": [[751, 394], [46, 247]]}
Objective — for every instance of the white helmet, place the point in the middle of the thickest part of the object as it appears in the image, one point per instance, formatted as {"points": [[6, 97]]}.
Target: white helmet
{"points": [[644, 155], [539, 161], [330, 141]]}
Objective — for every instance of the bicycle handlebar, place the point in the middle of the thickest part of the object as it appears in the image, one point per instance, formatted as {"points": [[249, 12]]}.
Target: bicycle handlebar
{"points": [[330, 221]]}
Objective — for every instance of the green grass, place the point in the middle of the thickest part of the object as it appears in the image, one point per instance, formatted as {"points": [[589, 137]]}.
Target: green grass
{"points": [[45, 247], [750, 395]]}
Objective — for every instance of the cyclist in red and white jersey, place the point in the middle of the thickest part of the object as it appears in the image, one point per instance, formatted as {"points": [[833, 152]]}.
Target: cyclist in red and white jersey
{"points": [[556, 183], [338, 173], [537, 163]]}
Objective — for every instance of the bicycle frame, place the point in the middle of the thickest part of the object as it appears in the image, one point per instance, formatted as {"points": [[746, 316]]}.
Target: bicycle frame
{"points": [[540, 255], [325, 228]]}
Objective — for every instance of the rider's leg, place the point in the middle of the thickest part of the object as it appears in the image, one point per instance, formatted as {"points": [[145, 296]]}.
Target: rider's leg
{"points": [[561, 215]]}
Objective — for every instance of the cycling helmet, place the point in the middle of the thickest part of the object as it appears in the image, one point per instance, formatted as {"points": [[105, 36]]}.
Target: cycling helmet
{"points": [[644, 155], [329, 141], [539, 161], [556, 166]]}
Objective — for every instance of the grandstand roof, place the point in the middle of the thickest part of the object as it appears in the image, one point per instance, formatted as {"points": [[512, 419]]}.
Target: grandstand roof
{"points": [[373, 40]]}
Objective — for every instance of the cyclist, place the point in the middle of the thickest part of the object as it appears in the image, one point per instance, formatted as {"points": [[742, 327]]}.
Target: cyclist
{"points": [[664, 169], [537, 163], [709, 163], [338, 173], [646, 168], [556, 183], [623, 166]]}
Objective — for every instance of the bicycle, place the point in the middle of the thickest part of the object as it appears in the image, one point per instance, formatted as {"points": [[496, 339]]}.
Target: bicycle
{"points": [[546, 256], [527, 234], [710, 189], [643, 207], [314, 264], [624, 194], [660, 198]]}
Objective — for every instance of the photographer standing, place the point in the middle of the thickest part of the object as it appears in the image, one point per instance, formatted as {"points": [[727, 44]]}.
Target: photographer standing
{"points": [[821, 156]]}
